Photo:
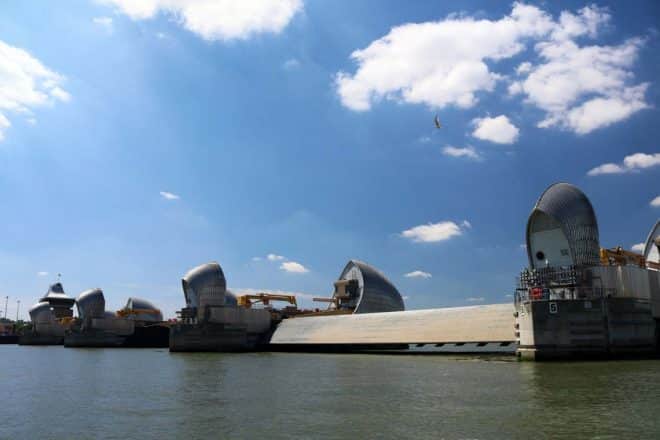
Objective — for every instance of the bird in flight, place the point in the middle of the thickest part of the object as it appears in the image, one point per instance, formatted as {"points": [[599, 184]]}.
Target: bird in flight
{"points": [[437, 121]]}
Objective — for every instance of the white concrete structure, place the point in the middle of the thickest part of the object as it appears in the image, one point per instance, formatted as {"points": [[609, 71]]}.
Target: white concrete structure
{"points": [[474, 324]]}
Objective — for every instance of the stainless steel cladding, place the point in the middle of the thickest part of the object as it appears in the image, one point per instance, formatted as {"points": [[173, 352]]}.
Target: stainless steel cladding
{"points": [[91, 304], [142, 310], [562, 229], [56, 291], [652, 246], [373, 291], [230, 299], [40, 313], [204, 285]]}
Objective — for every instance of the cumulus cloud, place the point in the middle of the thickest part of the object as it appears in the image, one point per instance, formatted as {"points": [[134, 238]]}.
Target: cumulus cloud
{"points": [[655, 202], [417, 274], [274, 257], [25, 84], [291, 64], [639, 247], [218, 19], [433, 232], [104, 22], [293, 267], [169, 196], [582, 88], [466, 152], [498, 129], [438, 63], [42, 274], [633, 163]]}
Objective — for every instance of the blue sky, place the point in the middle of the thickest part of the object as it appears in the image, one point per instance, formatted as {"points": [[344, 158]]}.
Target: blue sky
{"points": [[138, 140]]}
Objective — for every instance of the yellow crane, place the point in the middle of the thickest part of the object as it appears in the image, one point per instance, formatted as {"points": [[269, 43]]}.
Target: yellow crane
{"points": [[622, 257], [248, 301]]}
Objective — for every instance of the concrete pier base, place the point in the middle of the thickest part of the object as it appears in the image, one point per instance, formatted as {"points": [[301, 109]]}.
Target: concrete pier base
{"points": [[594, 328], [40, 339]]}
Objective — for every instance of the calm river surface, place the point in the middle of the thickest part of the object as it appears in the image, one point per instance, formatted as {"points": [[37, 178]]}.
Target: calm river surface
{"points": [[53, 392]]}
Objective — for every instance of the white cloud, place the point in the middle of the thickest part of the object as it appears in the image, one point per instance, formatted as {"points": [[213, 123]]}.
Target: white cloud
{"points": [[523, 68], [417, 274], [655, 202], [439, 63], [62, 95], [217, 19], [639, 247], [466, 224], [433, 232], [104, 22], [466, 152], [4, 123], [274, 257], [291, 64], [25, 84], [633, 163], [293, 267], [256, 258], [475, 299], [498, 129], [169, 196], [582, 88], [42, 274], [450, 62]]}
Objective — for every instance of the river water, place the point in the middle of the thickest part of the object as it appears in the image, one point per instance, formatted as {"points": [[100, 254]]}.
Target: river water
{"points": [[56, 392]]}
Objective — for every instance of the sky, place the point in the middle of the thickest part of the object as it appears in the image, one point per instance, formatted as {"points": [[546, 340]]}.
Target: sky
{"points": [[139, 139]]}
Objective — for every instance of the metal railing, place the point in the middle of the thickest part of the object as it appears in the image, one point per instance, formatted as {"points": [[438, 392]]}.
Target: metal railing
{"points": [[549, 294], [568, 276]]}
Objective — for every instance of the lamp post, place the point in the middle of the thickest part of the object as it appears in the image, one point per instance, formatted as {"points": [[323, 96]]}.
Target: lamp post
{"points": [[18, 307], [6, 300]]}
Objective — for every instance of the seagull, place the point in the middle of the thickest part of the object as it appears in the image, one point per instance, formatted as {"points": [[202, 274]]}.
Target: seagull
{"points": [[437, 122]]}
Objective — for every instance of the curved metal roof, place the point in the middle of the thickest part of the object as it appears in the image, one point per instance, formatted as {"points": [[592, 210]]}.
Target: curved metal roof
{"points": [[652, 246], [230, 299], [40, 312], [91, 304], [143, 310], [204, 284], [56, 292], [375, 292], [570, 207]]}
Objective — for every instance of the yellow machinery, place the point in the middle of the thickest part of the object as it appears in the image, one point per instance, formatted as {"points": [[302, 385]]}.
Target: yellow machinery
{"points": [[123, 313], [265, 298], [339, 295], [621, 257]]}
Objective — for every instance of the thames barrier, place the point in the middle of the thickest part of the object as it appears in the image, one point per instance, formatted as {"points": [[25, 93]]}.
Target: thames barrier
{"points": [[575, 299]]}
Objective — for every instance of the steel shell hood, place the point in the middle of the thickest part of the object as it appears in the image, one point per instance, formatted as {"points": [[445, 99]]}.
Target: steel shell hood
{"points": [[56, 293], [204, 285], [652, 246], [230, 299], [375, 292], [40, 312], [563, 207], [91, 304], [142, 310]]}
